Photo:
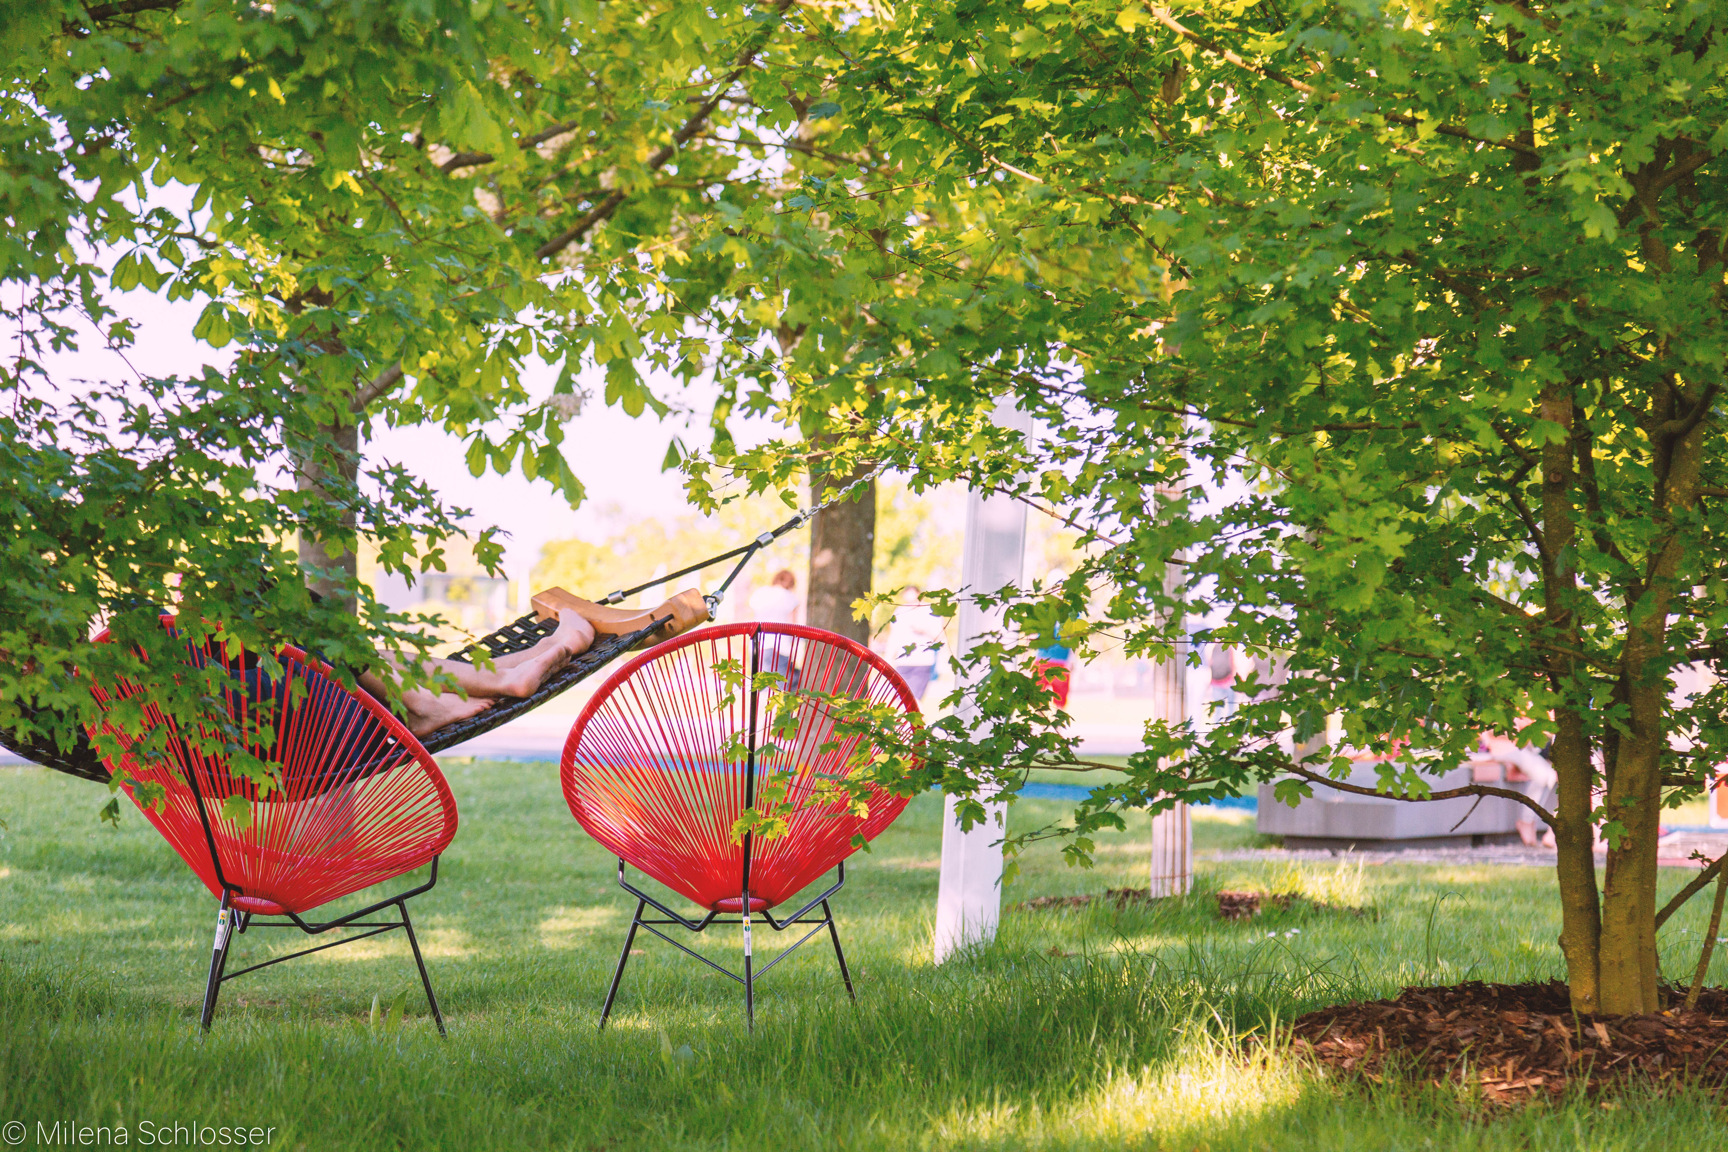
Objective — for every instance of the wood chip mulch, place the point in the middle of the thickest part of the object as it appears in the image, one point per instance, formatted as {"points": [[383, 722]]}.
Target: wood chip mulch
{"points": [[1231, 905], [1121, 897], [1516, 1042], [1243, 905]]}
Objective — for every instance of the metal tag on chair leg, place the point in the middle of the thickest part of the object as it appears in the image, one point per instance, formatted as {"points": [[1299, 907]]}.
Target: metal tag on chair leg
{"points": [[749, 977], [218, 961]]}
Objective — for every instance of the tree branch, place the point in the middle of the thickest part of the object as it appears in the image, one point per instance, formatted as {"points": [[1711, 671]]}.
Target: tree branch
{"points": [[1664, 182], [1444, 794], [659, 160], [379, 385], [1678, 427], [388, 378], [103, 12], [475, 159], [1699, 883], [1505, 606]]}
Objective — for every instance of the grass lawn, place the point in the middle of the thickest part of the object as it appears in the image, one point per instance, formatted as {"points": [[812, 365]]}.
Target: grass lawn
{"points": [[1093, 1028]]}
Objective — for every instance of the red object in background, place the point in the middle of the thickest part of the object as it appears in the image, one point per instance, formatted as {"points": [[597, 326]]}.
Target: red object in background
{"points": [[1053, 677], [358, 800], [657, 767]]}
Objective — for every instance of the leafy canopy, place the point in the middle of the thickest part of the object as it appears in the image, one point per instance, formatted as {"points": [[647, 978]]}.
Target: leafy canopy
{"points": [[385, 212], [1303, 296]]}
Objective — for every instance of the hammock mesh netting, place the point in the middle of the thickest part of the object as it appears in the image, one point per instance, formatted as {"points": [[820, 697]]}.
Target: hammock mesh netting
{"points": [[82, 761]]}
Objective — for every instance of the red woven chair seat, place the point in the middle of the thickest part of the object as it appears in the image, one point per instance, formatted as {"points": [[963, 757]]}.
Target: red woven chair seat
{"points": [[356, 800], [657, 767]]}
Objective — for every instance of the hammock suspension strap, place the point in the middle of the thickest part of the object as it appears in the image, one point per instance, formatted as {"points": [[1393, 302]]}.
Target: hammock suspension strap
{"points": [[746, 552]]}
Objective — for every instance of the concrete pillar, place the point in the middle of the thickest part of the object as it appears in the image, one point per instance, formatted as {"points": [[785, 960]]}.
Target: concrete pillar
{"points": [[969, 897]]}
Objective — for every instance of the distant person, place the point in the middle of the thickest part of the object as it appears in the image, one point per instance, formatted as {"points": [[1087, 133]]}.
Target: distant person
{"points": [[778, 602], [1532, 769], [912, 643], [1222, 665]]}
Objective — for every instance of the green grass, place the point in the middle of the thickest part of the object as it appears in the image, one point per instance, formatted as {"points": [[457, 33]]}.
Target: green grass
{"points": [[1094, 1028]]}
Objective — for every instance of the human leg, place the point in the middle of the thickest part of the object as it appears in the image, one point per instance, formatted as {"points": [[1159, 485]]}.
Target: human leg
{"points": [[516, 675], [520, 673]]}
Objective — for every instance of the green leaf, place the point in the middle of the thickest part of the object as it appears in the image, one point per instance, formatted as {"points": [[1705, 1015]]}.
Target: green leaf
{"points": [[237, 810]]}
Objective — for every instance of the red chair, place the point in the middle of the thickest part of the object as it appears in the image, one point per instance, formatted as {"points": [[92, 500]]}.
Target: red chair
{"points": [[354, 800], [679, 743]]}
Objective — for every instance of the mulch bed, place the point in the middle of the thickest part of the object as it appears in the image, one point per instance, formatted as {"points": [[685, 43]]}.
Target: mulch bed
{"points": [[1121, 897], [1518, 1041], [1231, 905]]}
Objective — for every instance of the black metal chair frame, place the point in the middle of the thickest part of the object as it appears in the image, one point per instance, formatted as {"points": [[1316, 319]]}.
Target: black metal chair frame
{"points": [[226, 928], [751, 974]]}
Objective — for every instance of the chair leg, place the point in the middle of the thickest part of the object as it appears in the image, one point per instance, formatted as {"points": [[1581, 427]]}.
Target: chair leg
{"points": [[623, 958], [218, 961], [425, 980], [749, 977], [834, 934]]}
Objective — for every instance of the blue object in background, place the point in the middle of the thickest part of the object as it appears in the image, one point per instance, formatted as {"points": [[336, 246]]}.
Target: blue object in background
{"points": [[1041, 791]]}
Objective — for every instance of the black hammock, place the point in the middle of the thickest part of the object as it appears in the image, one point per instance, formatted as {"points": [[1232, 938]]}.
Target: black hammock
{"points": [[523, 633]]}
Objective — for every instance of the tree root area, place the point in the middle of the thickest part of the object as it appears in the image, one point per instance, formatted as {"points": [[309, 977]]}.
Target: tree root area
{"points": [[1515, 1042]]}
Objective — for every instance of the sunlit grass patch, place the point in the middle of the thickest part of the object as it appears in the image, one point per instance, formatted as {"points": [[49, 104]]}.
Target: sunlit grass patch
{"points": [[1097, 1028]]}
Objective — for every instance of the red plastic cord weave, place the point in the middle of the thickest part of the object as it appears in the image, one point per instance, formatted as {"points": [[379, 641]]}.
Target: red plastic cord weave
{"points": [[657, 768], [357, 801]]}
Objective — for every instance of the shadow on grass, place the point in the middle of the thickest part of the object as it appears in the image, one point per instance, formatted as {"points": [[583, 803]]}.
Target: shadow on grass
{"points": [[1126, 1037]]}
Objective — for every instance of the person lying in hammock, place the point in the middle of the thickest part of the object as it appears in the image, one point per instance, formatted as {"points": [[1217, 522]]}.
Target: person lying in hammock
{"points": [[515, 675], [519, 674]]}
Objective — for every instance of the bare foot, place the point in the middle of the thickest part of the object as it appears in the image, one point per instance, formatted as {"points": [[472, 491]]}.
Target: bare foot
{"points": [[428, 712], [574, 634]]}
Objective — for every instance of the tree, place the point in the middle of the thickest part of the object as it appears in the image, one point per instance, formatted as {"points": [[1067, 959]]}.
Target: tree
{"points": [[394, 208], [1422, 306]]}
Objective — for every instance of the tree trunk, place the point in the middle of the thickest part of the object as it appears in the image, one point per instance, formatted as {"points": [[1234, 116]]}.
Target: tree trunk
{"points": [[335, 555], [1629, 975], [842, 553], [1628, 954], [1575, 864], [1574, 830]]}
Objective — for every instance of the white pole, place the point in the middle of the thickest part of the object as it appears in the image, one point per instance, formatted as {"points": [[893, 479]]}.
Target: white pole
{"points": [[1172, 871], [969, 896], [1172, 853], [1172, 835]]}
